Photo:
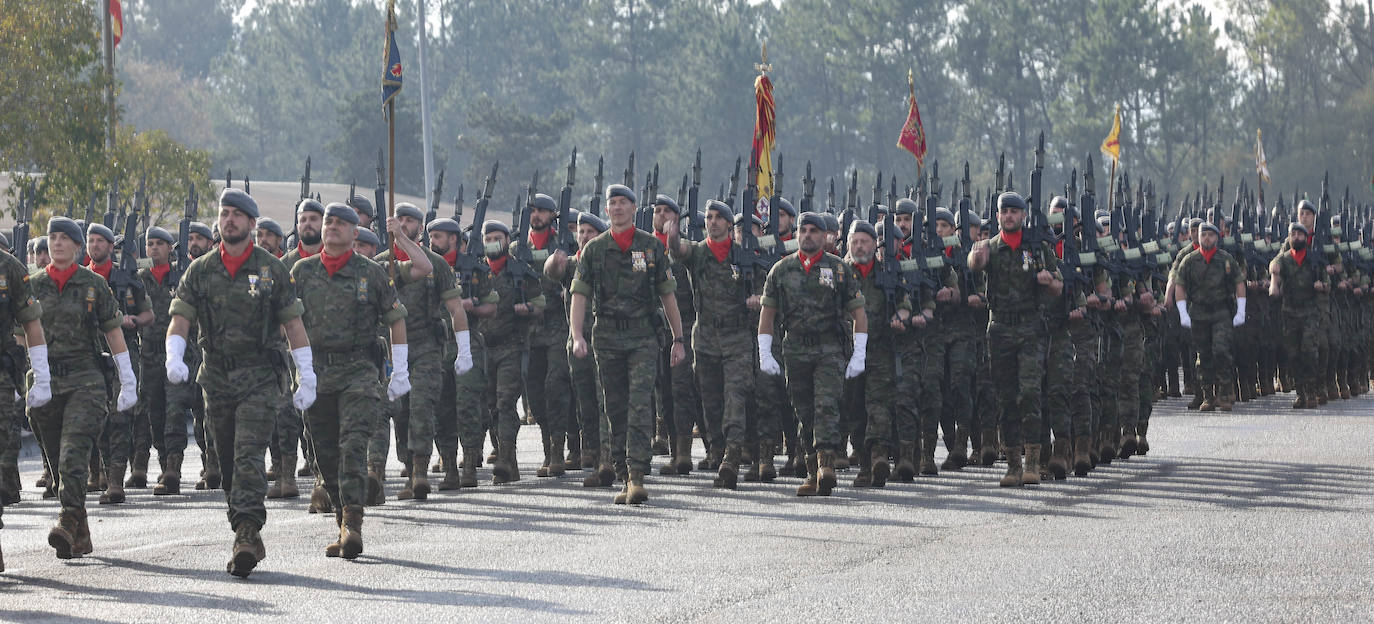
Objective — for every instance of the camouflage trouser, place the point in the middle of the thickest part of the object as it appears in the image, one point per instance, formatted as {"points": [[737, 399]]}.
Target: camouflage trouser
{"points": [[239, 423], [1322, 334], [726, 381], [875, 392], [340, 424], [956, 407], [547, 385], [1110, 355], [1083, 410], [1301, 347], [379, 443], [1017, 357], [628, 372], [987, 412], [1146, 393], [116, 441], [67, 428], [770, 409], [470, 416], [1212, 339], [1127, 389], [9, 439], [1059, 386], [204, 435], [678, 400], [587, 396], [815, 380], [931, 391], [906, 416], [289, 428], [169, 408], [505, 384], [414, 414]]}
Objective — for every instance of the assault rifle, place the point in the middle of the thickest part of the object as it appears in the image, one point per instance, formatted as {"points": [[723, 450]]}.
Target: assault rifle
{"points": [[695, 220], [469, 266], [433, 212], [128, 289], [19, 235], [183, 256], [564, 238], [595, 205]]}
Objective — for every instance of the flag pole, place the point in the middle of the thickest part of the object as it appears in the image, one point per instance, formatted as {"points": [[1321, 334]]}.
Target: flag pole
{"points": [[1111, 183]]}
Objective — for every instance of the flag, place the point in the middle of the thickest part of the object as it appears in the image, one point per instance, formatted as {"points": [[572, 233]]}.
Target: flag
{"points": [[913, 135], [764, 139], [391, 72], [116, 22], [1261, 165], [1111, 146]]}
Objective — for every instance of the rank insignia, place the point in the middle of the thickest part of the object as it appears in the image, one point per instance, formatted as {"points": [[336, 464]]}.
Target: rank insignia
{"points": [[362, 290]]}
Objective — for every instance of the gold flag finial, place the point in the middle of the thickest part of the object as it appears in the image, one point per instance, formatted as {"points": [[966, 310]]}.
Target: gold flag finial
{"points": [[910, 83], [764, 67]]}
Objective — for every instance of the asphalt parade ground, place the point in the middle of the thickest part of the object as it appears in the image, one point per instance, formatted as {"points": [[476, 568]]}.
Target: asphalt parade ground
{"points": [[1262, 514]]}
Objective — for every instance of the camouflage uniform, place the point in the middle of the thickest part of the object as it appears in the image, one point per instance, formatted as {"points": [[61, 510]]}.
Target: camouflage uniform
{"points": [[586, 391], [467, 423], [17, 306], [122, 436], [290, 423], [941, 367], [337, 310], [1210, 287], [75, 319], [169, 406], [874, 393], [547, 385], [623, 289], [1300, 319], [679, 400], [243, 376], [721, 340], [507, 340]]}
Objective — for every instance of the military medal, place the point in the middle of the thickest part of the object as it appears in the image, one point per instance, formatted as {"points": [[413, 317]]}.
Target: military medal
{"points": [[253, 285], [362, 290], [1025, 260], [637, 262], [827, 277], [734, 271]]}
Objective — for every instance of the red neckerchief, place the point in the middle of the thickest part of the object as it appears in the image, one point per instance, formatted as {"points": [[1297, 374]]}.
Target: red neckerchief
{"points": [[1012, 240], [807, 262], [1207, 255], [1298, 256], [865, 269], [61, 276], [905, 251], [103, 269], [1059, 249], [498, 264], [400, 254], [624, 239], [160, 271], [662, 238], [231, 263], [540, 240], [451, 257], [786, 237], [332, 264], [300, 247], [949, 252], [1196, 246], [278, 254], [720, 250]]}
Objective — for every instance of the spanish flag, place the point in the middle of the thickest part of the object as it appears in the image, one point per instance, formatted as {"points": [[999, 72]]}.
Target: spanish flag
{"points": [[764, 135], [913, 135], [1111, 146], [116, 22]]}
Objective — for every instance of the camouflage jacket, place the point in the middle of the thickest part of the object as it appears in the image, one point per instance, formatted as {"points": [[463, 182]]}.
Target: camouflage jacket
{"points": [[75, 320], [1011, 288], [424, 300], [1298, 294], [623, 287], [505, 328], [552, 327], [1210, 286], [813, 304], [341, 314], [724, 323]]}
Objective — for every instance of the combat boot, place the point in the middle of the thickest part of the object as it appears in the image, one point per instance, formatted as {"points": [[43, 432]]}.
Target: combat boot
{"points": [[319, 499], [1209, 399], [450, 461], [1014, 471], [376, 489], [1030, 473], [248, 550], [906, 461], [351, 532], [635, 488], [63, 536], [714, 455], [1082, 462], [826, 462], [472, 457], [1142, 444], [1171, 383], [811, 486], [1225, 402], [138, 477], [755, 463], [170, 482], [1197, 401], [274, 469], [44, 480], [1300, 402], [506, 469], [211, 479], [877, 458], [557, 466], [764, 460], [574, 459], [1106, 450], [96, 482], [114, 491], [491, 457], [682, 455], [865, 476], [543, 469], [987, 452], [1128, 442], [728, 475], [1059, 459], [288, 477], [589, 458], [405, 465], [418, 486], [928, 443], [661, 446], [958, 454], [307, 468]]}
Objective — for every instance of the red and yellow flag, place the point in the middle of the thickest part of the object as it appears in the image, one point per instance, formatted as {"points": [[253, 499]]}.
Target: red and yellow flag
{"points": [[116, 22], [913, 135], [764, 135], [1111, 146]]}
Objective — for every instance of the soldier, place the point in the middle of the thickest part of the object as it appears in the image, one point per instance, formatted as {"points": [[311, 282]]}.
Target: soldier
{"points": [[18, 307], [1216, 285], [507, 334], [1018, 280], [124, 436], [240, 297], [367, 244], [270, 236], [1069, 413], [343, 293], [812, 292], [679, 399], [290, 426], [770, 409], [724, 365], [959, 333], [199, 241], [78, 308], [427, 300], [168, 406], [620, 274], [41, 257], [363, 208], [1295, 280], [582, 371], [547, 385]]}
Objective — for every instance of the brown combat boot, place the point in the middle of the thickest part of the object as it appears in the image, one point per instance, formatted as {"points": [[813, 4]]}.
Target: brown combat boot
{"points": [[635, 488], [682, 455], [557, 466], [624, 496], [1127, 445], [728, 475], [210, 479], [1014, 471], [336, 549], [1106, 446], [811, 486], [449, 459], [1209, 399], [1142, 444], [589, 458], [906, 461], [1225, 402], [543, 469], [826, 462], [864, 478], [351, 535], [764, 460], [419, 481], [248, 549], [1082, 461], [592, 478], [506, 469], [987, 452], [749, 455], [1059, 459], [319, 499], [376, 484], [928, 444], [286, 481], [1030, 474], [170, 482], [1300, 401], [114, 491], [877, 459], [138, 475], [63, 536], [1196, 402], [958, 455], [472, 456], [83, 535]]}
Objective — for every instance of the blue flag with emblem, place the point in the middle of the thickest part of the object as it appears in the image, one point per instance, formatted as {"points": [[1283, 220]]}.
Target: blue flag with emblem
{"points": [[391, 73]]}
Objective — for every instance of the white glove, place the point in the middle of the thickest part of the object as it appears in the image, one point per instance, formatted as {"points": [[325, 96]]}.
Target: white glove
{"points": [[1183, 318], [463, 363], [766, 362], [305, 378], [1239, 318], [41, 390], [176, 359], [128, 384], [400, 372], [856, 361]]}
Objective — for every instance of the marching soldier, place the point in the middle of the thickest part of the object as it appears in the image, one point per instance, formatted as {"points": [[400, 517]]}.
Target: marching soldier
{"points": [[1018, 280], [18, 307], [169, 405], [811, 292], [620, 274], [679, 400], [270, 236], [507, 334], [546, 384], [78, 309], [290, 426], [1296, 280], [240, 297], [198, 243], [464, 422], [1210, 294], [582, 373]]}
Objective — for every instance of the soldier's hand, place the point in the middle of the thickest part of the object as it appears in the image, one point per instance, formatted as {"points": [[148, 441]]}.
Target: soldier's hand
{"points": [[128, 384], [1120, 305], [1076, 314], [767, 363], [399, 385], [754, 302], [393, 227], [944, 294], [521, 309], [39, 393], [919, 320], [129, 322], [856, 360], [579, 347], [1319, 286], [463, 363], [975, 301], [677, 355], [1044, 278], [1147, 299], [897, 324]]}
